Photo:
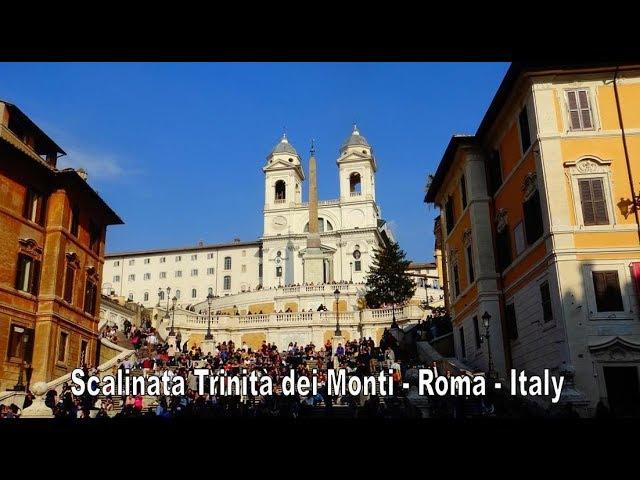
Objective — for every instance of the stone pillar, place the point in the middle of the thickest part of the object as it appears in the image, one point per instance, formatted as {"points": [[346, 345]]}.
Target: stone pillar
{"points": [[38, 409]]}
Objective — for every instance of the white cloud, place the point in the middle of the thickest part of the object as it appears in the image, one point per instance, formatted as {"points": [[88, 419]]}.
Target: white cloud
{"points": [[97, 165]]}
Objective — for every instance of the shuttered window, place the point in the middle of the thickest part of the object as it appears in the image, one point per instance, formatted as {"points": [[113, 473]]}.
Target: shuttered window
{"points": [[456, 281], [28, 274], [476, 331], [463, 350], [545, 297], [607, 289], [503, 249], [68, 283], [449, 214], [579, 110], [494, 172], [472, 275], [90, 297], [512, 324], [592, 199], [525, 134], [532, 218], [463, 192]]}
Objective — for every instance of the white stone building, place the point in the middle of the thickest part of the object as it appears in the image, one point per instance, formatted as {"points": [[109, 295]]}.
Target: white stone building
{"points": [[350, 228]]}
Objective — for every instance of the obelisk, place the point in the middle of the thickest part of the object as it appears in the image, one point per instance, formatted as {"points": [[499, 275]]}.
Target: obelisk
{"points": [[313, 256]]}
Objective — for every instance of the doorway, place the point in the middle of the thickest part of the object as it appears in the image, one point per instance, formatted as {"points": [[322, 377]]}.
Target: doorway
{"points": [[623, 390]]}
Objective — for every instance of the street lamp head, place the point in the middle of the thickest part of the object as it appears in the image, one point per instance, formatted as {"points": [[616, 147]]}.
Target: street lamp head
{"points": [[336, 293], [168, 291], [174, 300], [485, 319], [210, 299], [159, 291]]}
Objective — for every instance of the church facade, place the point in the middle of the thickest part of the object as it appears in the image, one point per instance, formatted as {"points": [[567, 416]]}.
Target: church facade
{"points": [[349, 228]]}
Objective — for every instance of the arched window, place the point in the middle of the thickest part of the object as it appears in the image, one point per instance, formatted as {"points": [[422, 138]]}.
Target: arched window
{"points": [[161, 295], [227, 282], [355, 185], [227, 263], [146, 296], [130, 298], [178, 294], [194, 293], [281, 190], [210, 291], [323, 225]]}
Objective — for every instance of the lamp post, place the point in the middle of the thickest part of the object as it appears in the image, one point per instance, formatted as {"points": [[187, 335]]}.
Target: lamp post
{"points": [[168, 297], [208, 336], [486, 317], [159, 296], [336, 293], [174, 300]]}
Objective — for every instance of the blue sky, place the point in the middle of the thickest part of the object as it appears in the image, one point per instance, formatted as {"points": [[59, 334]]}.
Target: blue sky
{"points": [[177, 148]]}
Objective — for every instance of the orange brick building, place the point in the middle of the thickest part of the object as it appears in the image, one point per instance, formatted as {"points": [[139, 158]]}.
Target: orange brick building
{"points": [[52, 234], [540, 228]]}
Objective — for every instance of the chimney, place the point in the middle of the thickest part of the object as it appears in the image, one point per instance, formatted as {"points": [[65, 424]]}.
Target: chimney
{"points": [[83, 174]]}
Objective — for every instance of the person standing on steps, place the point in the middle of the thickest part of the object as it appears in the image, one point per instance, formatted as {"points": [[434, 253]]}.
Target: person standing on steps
{"points": [[178, 340]]}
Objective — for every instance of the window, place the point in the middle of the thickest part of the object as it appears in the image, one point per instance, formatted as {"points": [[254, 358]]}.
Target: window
{"points": [[511, 323], [323, 225], [518, 233], [178, 273], [210, 291], [435, 283], [163, 259], [20, 344], [243, 269], [178, 258], [147, 276], [532, 218], [161, 295], [147, 261], [606, 285], [280, 190], [34, 207], [463, 350], [132, 262], [90, 297], [579, 110], [357, 265], [227, 263], [194, 257], [146, 296], [210, 256], [95, 232], [178, 294], [194, 272], [75, 221], [278, 271], [163, 274], [210, 271], [132, 277], [463, 192], [28, 274], [69, 276], [116, 278], [63, 343], [116, 263], [355, 184], [592, 199], [449, 214], [130, 297], [194, 293], [470, 269], [494, 172], [456, 281], [227, 282], [503, 248], [525, 134], [545, 298]]}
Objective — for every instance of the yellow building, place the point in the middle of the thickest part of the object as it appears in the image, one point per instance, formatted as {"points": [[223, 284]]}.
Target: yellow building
{"points": [[539, 228]]}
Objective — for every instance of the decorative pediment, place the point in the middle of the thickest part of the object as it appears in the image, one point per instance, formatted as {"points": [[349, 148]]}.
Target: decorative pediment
{"points": [[92, 274], [530, 184], [616, 348], [30, 247], [466, 237], [72, 259], [502, 220], [589, 165]]}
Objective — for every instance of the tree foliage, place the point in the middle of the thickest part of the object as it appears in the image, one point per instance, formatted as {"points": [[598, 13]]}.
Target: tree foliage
{"points": [[388, 281]]}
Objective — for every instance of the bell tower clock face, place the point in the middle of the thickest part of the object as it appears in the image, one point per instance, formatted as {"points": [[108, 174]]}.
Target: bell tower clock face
{"points": [[279, 222]]}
